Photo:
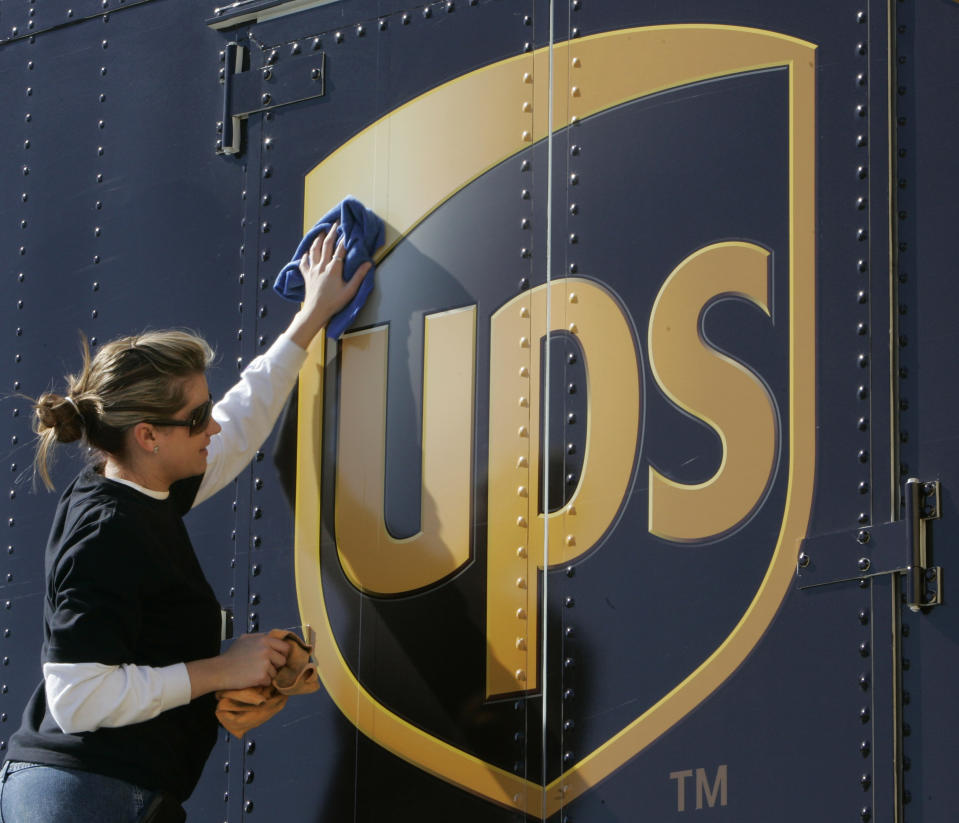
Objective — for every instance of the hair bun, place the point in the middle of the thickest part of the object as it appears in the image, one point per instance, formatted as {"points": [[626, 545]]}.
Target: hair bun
{"points": [[62, 414]]}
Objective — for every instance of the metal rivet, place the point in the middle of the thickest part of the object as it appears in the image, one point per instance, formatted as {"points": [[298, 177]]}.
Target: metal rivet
{"points": [[521, 675], [521, 491], [570, 541], [520, 582], [521, 522], [521, 614], [804, 559], [522, 431], [521, 551]]}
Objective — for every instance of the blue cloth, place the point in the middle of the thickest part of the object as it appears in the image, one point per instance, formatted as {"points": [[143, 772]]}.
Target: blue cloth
{"points": [[364, 233]]}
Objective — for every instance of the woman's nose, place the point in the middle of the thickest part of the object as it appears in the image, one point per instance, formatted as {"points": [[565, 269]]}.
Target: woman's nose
{"points": [[213, 427]]}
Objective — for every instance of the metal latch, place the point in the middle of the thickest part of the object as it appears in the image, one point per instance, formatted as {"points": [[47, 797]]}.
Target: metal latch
{"points": [[298, 77], [899, 547]]}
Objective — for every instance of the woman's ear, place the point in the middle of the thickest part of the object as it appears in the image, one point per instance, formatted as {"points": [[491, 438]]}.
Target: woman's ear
{"points": [[144, 438]]}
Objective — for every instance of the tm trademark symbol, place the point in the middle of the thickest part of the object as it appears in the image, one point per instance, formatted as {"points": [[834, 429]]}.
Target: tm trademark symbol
{"points": [[706, 792]]}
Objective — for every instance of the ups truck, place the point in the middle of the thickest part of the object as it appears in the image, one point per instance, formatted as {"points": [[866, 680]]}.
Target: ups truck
{"points": [[630, 494]]}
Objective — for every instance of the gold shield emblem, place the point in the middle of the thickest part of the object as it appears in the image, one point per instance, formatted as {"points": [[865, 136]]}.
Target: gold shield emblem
{"points": [[393, 167]]}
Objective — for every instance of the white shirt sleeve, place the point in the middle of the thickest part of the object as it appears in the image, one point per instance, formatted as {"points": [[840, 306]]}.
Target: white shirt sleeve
{"points": [[247, 413], [83, 697]]}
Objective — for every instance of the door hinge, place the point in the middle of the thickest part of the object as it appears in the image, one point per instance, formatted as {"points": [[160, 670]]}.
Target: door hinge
{"points": [[898, 547], [247, 89]]}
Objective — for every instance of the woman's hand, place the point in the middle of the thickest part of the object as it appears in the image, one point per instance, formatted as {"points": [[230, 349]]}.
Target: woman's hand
{"points": [[326, 292], [252, 660]]}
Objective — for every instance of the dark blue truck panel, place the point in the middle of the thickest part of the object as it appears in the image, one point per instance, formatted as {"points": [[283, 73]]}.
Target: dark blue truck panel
{"points": [[599, 511]]}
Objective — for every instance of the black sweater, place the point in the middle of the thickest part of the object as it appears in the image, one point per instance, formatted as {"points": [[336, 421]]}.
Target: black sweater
{"points": [[124, 586]]}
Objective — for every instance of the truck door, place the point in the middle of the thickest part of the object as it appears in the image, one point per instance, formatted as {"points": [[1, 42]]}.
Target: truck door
{"points": [[594, 507]]}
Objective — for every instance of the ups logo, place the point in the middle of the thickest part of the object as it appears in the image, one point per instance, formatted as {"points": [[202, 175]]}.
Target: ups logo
{"points": [[617, 461]]}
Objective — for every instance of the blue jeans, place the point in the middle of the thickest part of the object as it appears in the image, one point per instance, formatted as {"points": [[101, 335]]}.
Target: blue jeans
{"points": [[32, 793]]}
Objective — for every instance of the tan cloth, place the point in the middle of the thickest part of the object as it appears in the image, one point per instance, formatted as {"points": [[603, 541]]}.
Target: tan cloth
{"points": [[240, 710]]}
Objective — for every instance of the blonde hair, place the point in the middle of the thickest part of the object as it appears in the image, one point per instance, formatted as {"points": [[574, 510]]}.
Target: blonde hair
{"points": [[129, 380]]}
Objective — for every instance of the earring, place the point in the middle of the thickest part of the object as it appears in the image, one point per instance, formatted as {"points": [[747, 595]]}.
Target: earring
{"points": [[156, 449]]}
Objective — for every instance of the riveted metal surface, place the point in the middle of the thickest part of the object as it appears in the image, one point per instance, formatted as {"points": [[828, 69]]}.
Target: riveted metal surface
{"points": [[121, 209], [22, 19], [381, 646], [925, 108], [111, 245]]}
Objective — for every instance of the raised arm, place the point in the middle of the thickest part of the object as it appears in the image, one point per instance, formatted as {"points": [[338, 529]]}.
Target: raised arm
{"points": [[249, 410]]}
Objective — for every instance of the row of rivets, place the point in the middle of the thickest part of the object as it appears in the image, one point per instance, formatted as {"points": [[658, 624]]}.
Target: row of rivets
{"points": [[902, 104], [862, 330], [574, 238], [523, 569], [314, 42], [524, 354], [902, 259], [861, 82]]}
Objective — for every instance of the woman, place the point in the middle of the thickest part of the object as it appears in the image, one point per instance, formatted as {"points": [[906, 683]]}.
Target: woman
{"points": [[123, 722]]}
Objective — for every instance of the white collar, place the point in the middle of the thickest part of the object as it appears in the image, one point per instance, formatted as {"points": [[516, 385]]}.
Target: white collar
{"points": [[142, 489]]}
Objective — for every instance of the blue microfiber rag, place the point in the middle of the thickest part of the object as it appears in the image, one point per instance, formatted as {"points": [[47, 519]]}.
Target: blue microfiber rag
{"points": [[364, 233]]}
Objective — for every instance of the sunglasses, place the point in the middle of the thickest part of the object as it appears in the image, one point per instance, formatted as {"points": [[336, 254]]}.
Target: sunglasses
{"points": [[198, 420]]}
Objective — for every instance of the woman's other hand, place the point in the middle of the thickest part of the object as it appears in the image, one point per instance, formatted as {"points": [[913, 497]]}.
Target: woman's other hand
{"points": [[326, 292], [252, 660]]}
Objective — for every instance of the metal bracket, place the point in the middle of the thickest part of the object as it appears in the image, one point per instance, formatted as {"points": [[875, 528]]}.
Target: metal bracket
{"points": [[899, 547], [263, 88]]}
